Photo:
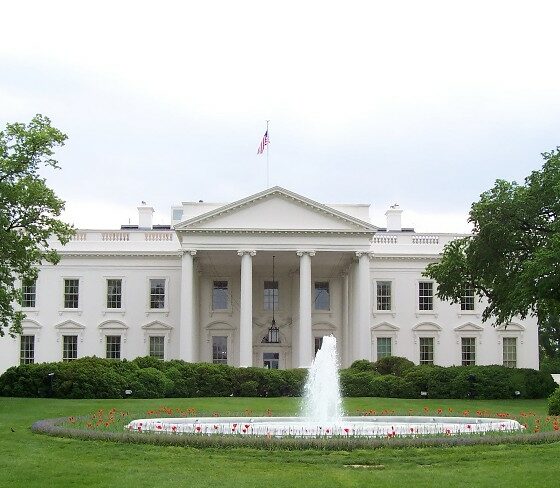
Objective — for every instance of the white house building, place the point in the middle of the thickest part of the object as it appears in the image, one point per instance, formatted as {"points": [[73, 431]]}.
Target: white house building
{"points": [[202, 289]]}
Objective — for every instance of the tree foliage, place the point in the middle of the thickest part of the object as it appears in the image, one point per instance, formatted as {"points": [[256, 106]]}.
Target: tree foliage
{"points": [[28, 211], [513, 254]]}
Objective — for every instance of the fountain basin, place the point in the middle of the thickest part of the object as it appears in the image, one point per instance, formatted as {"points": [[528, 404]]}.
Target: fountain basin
{"points": [[369, 427]]}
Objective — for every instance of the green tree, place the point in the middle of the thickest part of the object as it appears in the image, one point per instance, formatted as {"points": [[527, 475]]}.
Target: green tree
{"points": [[28, 211], [513, 254]]}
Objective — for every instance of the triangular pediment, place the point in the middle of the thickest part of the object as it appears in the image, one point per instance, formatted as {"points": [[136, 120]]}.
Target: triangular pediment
{"points": [[512, 327], [69, 325], [385, 327], [156, 325], [277, 209], [469, 327]]}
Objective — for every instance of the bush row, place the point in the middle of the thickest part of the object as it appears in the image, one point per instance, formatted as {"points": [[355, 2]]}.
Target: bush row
{"points": [[150, 378]]}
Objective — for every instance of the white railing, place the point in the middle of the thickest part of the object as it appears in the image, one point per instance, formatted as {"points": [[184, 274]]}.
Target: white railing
{"points": [[79, 236], [158, 236], [425, 240], [115, 236], [377, 239]]}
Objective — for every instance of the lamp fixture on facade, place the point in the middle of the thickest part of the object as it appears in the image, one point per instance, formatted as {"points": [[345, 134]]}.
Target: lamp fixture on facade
{"points": [[273, 332]]}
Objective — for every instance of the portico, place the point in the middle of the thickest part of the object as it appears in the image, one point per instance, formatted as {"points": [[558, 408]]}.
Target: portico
{"points": [[228, 252]]}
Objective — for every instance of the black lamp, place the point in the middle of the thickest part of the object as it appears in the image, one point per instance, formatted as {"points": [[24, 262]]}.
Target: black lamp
{"points": [[273, 331]]}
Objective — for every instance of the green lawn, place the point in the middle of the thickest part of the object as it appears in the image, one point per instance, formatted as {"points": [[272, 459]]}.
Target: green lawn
{"points": [[30, 460]]}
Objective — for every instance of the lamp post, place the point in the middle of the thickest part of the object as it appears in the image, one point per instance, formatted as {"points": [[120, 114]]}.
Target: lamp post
{"points": [[273, 331]]}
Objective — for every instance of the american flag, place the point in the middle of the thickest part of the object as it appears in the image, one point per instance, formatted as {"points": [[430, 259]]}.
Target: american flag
{"points": [[265, 141]]}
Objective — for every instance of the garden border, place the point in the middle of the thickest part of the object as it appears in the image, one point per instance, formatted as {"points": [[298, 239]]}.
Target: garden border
{"points": [[53, 427]]}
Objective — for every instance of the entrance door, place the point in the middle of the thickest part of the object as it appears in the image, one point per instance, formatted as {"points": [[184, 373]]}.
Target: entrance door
{"points": [[271, 360]]}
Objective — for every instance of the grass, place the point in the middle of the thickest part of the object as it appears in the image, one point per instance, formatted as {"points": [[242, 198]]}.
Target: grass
{"points": [[30, 460]]}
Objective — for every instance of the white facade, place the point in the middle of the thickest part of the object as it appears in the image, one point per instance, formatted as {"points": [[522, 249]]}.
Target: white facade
{"points": [[202, 291]]}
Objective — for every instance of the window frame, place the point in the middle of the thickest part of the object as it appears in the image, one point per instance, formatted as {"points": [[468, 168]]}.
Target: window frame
{"points": [[24, 356], [376, 295], [23, 294], [421, 361], [463, 301], [277, 300], [165, 308], [112, 335], [66, 358], [516, 349], [387, 338], [121, 309], [418, 297], [216, 360], [473, 361], [314, 297], [227, 309], [79, 279], [164, 349]]}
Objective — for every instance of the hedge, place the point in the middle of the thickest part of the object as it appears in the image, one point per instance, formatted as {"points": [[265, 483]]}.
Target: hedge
{"points": [[151, 378]]}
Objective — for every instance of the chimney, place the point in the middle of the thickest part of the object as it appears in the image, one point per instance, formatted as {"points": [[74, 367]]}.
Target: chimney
{"points": [[393, 218], [145, 215]]}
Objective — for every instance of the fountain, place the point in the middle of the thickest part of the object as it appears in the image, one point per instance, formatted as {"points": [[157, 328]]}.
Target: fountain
{"points": [[323, 416]]}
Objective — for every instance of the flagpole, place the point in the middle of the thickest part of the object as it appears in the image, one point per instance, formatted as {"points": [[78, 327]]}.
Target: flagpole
{"points": [[267, 165]]}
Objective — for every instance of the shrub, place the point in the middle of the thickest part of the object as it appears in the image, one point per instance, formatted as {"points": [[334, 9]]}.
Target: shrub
{"points": [[356, 383], [393, 365], [554, 402], [248, 388], [389, 386], [550, 366], [362, 365], [150, 383]]}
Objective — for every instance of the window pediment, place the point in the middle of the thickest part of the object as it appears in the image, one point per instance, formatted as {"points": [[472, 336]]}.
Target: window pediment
{"points": [[69, 325], [157, 325], [112, 324], [469, 327], [385, 327], [427, 327]]}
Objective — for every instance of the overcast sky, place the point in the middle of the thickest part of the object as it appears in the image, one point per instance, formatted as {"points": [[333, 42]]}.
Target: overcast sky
{"points": [[424, 104]]}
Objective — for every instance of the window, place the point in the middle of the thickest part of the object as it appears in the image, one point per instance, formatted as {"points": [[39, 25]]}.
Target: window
{"points": [[177, 213], [113, 347], [318, 344], [157, 347], [383, 347], [322, 295], [220, 295], [467, 300], [425, 295], [69, 347], [114, 293], [219, 349], [468, 351], [28, 292], [157, 293], [426, 350], [71, 292], [27, 349], [383, 301], [270, 295], [271, 360], [510, 352]]}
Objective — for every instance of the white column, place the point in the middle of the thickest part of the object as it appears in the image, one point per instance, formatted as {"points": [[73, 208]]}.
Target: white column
{"points": [[345, 335], [305, 345], [187, 346], [364, 306], [246, 310]]}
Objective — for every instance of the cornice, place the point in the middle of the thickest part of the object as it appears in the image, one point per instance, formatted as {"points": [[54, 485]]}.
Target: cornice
{"points": [[406, 257], [94, 254], [234, 231]]}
